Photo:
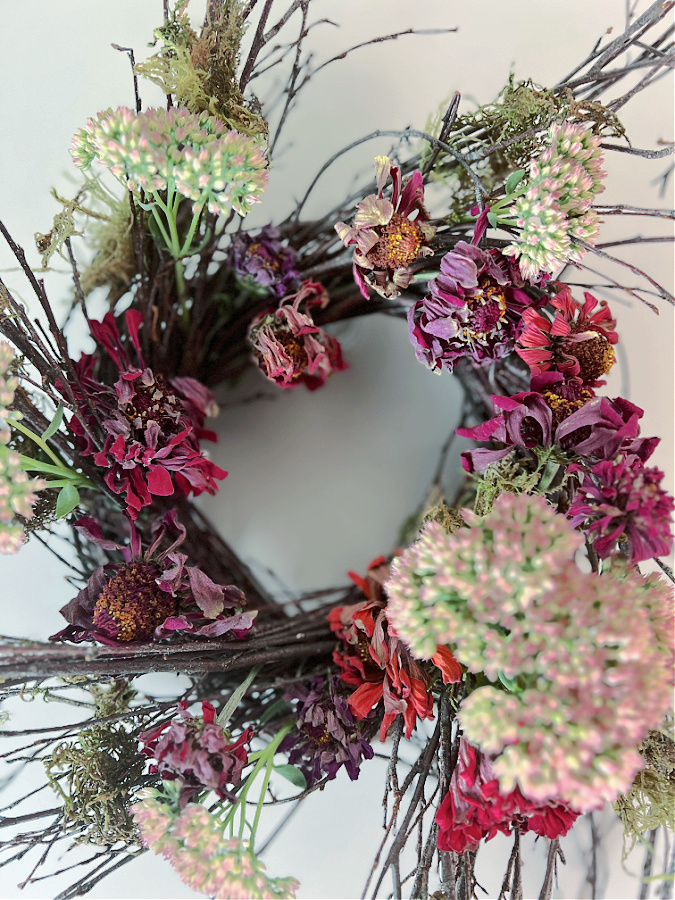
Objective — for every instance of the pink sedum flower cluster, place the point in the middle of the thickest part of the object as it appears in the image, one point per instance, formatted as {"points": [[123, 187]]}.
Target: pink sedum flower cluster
{"points": [[555, 214], [205, 860], [585, 658], [211, 165]]}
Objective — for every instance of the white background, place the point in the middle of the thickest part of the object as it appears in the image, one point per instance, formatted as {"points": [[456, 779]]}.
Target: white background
{"points": [[320, 483]]}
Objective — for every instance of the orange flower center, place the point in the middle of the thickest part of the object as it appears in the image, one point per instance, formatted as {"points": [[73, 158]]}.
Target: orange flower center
{"points": [[398, 245]]}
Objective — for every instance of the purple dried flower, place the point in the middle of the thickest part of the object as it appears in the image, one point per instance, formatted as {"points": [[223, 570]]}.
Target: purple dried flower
{"points": [[623, 498], [473, 309], [266, 259], [599, 429], [327, 735]]}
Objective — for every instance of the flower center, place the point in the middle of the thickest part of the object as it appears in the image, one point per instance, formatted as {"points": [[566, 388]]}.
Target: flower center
{"points": [[317, 735], [153, 402], [488, 309], [295, 349], [564, 399], [132, 604], [595, 357], [398, 246]]}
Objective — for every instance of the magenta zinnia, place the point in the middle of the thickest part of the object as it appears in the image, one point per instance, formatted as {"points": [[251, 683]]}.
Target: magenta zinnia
{"points": [[387, 240], [149, 428], [622, 499], [473, 309]]}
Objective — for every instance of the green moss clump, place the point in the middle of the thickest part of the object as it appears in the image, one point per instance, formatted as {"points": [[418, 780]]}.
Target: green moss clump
{"points": [[200, 71], [650, 802], [96, 774]]}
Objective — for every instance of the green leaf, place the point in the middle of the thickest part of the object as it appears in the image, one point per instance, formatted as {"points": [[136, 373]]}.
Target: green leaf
{"points": [[68, 498], [273, 709], [292, 774], [235, 698], [514, 180], [510, 683], [492, 219], [53, 426]]}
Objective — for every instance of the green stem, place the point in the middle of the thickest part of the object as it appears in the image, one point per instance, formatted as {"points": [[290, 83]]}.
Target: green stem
{"points": [[37, 440]]}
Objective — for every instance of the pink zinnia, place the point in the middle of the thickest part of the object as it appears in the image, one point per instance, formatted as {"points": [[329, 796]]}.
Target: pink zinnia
{"points": [[387, 240], [289, 348], [198, 752], [576, 343], [474, 808]]}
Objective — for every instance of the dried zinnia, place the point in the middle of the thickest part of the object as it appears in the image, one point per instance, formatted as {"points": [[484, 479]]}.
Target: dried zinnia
{"points": [[387, 240], [578, 342], [151, 427], [475, 808], [151, 594], [326, 735], [371, 658], [198, 752], [289, 348], [473, 309], [265, 258], [622, 499]]}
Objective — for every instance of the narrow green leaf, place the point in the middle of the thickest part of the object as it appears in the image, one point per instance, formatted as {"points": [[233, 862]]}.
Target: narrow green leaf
{"points": [[514, 180], [235, 698], [68, 498], [492, 219], [53, 426], [292, 774]]}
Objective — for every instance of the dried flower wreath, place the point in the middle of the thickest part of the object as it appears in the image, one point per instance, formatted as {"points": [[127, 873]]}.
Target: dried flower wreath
{"points": [[514, 618]]}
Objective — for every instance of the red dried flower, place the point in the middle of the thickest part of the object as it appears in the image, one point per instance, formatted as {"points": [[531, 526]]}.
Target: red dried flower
{"points": [[474, 808], [577, 342]]}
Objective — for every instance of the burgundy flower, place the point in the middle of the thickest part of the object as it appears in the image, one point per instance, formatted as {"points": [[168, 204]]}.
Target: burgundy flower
{"points": [[151, 427], [387, 240], [474, 808], [327, 734], [473, 309], [598, 430], [622, 498], [198, 752], [289, 348], [577, 342], [266, 259], [150, 595]]}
